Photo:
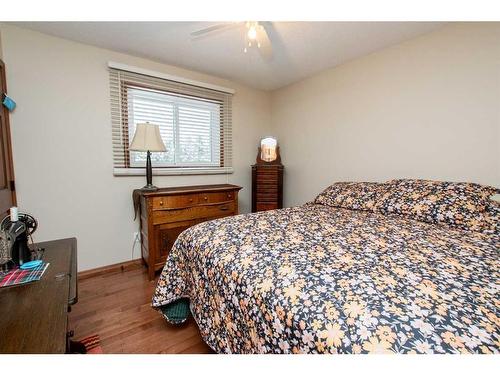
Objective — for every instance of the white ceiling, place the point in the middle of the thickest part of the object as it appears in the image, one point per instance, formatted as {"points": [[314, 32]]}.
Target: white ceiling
{"points": [[300, 49]]}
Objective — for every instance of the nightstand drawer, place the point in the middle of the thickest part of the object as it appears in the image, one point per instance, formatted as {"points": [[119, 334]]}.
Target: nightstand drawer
{"points": [[175, 201]]}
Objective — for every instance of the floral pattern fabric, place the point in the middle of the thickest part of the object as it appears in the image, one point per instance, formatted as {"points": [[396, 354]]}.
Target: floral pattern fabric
{"points": [[492, 217], [317, 279], [458, 204], [352, 195]]}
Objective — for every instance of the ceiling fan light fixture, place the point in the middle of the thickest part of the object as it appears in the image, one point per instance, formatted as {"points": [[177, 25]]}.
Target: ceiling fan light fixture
{"points": [[255, 35], [252, 32]]}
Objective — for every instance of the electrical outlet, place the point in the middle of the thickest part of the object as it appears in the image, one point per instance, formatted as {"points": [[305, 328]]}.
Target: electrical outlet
{"points": [[137, 236]]}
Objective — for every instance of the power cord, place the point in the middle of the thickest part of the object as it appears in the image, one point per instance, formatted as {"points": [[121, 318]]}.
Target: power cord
{"points": [[136, 238]]}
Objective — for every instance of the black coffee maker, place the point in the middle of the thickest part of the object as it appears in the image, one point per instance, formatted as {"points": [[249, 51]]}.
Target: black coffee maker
{"points": [[17, 231]]}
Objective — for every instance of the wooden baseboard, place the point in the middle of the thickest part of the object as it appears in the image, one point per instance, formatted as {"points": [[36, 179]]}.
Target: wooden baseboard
{"points": [[112, 268]]}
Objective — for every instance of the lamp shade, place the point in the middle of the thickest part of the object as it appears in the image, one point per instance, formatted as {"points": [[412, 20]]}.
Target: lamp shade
{"points": [[147, 138]]}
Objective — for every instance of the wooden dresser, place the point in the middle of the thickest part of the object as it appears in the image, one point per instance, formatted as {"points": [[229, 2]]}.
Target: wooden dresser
{"points": [[267, 187], [165, 213], [267, 182]]}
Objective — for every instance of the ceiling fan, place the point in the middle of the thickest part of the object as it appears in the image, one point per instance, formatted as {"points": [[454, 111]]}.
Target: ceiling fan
{"points": [[255, 35]]}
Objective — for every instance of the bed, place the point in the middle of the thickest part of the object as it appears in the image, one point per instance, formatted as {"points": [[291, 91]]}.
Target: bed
{"points": [[330, 277]]}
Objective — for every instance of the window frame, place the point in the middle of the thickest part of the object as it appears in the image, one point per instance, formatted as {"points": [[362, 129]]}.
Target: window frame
{"points": [[126, 128], [134, 170]]}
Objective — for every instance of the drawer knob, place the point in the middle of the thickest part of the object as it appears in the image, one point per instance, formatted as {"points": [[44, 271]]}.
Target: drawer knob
{"points": [[161, 203], [190, 200], [206, 198], [229, 195], [224, 208]]}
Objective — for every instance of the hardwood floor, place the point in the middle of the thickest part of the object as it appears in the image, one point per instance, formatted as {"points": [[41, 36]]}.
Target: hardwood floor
{"points": [[117, 307]]}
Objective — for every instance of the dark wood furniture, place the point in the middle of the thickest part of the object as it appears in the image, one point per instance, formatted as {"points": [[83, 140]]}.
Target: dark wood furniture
{"points": [[267, 184], [167, 212], [7, 187], [34, 316]]}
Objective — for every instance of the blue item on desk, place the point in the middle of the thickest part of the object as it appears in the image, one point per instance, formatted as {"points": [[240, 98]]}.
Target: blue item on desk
{"points": [[31, 265]]}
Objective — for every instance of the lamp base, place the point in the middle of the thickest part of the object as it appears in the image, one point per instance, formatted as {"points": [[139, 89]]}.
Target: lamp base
{"points": [[149, 175], [149, 187]]}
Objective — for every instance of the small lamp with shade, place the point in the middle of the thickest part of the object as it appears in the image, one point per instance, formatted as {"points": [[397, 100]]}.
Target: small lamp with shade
{"points": [[147, 138]]}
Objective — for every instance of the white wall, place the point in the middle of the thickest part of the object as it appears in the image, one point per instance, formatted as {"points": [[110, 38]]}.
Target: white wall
{"points": [[427, 108], [61, 135]]}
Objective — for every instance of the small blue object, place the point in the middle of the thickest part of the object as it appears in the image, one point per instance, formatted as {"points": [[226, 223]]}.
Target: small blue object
{"points": [[9, 103], [31, 265]]}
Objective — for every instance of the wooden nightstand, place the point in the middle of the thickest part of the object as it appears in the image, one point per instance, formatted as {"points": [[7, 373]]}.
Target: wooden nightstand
{"points": [[167, 212]]}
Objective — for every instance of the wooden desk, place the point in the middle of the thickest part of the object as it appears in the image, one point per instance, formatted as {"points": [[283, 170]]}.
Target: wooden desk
{"points": [[34, 317]]}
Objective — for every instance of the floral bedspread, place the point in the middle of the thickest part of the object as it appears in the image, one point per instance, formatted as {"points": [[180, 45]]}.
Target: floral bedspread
{"points": [[317, 279]]}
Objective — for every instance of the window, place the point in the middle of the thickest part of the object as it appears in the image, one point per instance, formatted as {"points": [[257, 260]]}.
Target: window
{"points": [[190, 128], [195, 124]]}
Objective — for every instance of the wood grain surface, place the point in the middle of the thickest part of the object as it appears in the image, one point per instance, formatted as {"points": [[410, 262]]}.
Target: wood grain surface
{"points": [[117, 307], [33, 317]]}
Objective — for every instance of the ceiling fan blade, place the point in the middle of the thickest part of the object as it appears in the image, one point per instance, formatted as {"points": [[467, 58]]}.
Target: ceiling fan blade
{"points": [[213, 29], [266, 50]]}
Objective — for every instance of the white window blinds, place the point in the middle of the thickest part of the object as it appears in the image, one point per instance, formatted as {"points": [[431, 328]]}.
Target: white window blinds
{"points": [[195, 124]]}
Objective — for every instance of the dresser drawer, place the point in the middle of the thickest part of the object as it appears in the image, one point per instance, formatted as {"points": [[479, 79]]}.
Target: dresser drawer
{"points": [[166, 235], [267, 197], [197, 212], [265, 206], [175, 201], [267, 171], [216, 197]]}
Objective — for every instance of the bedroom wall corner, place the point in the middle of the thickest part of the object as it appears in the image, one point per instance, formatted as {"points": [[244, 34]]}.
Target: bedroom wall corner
{"points": [[425, 108], [61, 135]]}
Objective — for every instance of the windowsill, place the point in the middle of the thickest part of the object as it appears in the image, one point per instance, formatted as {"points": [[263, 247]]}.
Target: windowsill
{"points": [[172, 171]]}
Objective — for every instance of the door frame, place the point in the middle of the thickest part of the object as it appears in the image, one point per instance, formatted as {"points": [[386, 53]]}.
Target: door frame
{"points": [[9, 161]]}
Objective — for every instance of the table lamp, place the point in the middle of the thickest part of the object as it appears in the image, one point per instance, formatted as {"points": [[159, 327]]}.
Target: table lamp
{"points": [[147, 138]]}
